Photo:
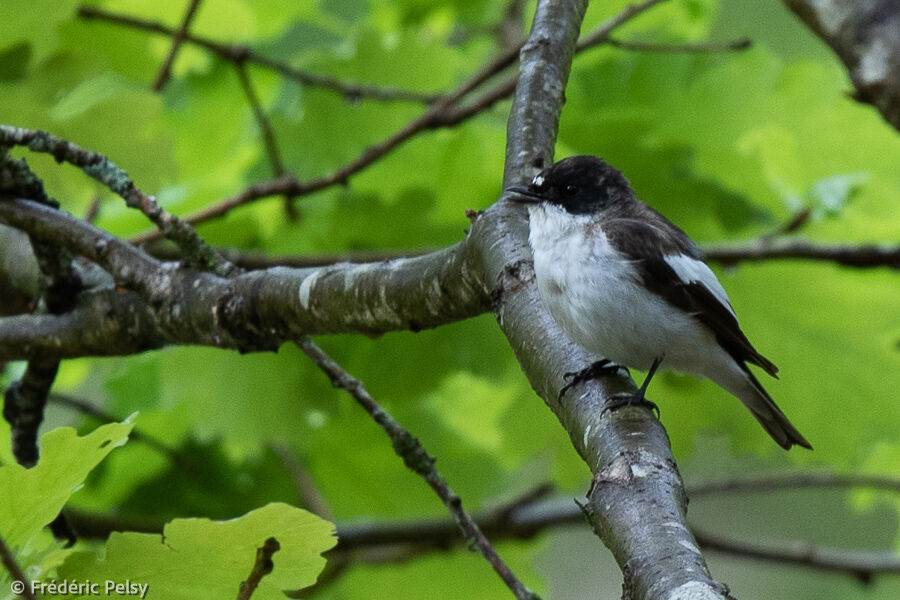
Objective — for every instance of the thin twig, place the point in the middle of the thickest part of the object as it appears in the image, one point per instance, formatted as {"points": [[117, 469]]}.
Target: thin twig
{"points": [[785, 481], [416, 459], [102, 169], [268, 133], [311, 496], [237, 53], [402, 540], [445, 112], [262, 567], [177, 39], [16, 573], [862, 564], [861, 256], [737, 45], [86, 408]]}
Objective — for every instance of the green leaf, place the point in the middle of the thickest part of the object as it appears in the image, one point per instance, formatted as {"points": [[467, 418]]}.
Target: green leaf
{"points": [[89, 93], [200, 558], [31, 498]]}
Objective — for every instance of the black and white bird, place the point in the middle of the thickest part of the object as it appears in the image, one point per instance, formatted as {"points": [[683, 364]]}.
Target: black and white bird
{"points": [[623, 282]]}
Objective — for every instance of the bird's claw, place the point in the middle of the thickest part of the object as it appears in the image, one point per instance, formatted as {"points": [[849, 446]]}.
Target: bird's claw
{"points": [[630, 400], [598, 369]]}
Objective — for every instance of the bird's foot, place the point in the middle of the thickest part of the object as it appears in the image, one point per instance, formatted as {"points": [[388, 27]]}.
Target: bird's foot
{"points": [[598, 369], [637, 399]]}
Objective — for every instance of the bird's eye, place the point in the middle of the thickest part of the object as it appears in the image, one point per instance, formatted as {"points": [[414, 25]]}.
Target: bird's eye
{"points": [[571, 189]]}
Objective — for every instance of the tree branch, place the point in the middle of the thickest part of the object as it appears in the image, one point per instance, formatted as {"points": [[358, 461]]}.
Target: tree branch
{"points": [[261, 567], [637, 502], [238, 54], [862, 564], [102, 169], [861, 256], [8, 559], [252, 311], [419, 461], [446, 111], [689, 48], [177, 39], [865, 34]]}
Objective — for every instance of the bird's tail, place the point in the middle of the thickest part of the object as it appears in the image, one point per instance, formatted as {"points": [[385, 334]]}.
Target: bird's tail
{"points": [[755, 397]]}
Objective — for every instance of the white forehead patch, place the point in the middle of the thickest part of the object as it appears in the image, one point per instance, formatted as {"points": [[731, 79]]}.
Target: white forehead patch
{"points": [[538, 180]]}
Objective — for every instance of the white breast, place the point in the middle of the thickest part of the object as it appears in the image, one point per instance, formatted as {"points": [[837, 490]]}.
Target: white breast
{"points": [[595, 295]]}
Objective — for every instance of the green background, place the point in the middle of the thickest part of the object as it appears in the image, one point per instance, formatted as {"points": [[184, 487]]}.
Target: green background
{"points": [[728, 146]]}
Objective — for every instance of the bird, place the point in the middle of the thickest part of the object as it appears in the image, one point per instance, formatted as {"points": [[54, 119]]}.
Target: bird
{"points": [[625, 283]]}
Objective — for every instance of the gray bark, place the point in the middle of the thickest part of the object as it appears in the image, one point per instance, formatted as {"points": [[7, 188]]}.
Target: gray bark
{"points": [[865, 34]]}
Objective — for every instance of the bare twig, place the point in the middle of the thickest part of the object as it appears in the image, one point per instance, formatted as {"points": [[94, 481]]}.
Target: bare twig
{"points": [[86, 408], [312, 497], [686, 48], [860, 256], [418, 460], [238, 54], [382, 542], [102, 169], [262, 567], [444, 112], [268, 134], [862, 564], [785, 481], [177, 39], [16, 573]]}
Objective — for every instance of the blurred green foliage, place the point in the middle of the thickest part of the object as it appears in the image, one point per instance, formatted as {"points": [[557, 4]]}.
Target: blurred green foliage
{"points": [[728, 146]]}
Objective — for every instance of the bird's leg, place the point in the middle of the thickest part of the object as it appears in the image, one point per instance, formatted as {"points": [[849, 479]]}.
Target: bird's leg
{"points": [[598, 369], [638, 398]]}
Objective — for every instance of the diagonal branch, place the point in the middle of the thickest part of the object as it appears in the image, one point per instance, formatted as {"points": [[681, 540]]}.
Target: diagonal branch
{"points": [[865, 34], [238, 54], [418, 460], [102, 169], [446, 111], [177, 39], [637, 503]]}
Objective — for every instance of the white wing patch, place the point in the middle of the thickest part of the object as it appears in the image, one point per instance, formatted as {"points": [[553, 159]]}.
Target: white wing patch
{"points": [[692, 270]]}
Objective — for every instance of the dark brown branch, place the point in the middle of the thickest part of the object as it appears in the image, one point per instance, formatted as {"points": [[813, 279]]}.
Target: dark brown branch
{"points": [[402, 540], [177, 39], [239, 54], [417, 459], [86, 408], [261, 567], [8, 559], [100, 168], [445, 112], [268, 134], [785, 481], [687, 48], [860, 256], [862, 564]]}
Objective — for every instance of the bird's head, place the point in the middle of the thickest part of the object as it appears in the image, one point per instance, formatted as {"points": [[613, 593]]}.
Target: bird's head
{"points": [[581, 185]]}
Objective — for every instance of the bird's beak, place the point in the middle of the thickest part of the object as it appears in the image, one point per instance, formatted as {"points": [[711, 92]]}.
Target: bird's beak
{"points": [[523, 194]]}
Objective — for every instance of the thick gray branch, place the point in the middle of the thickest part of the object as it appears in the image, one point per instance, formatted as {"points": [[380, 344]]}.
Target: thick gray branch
{"points": [[260, 310], [637, 503], [865, 34]]}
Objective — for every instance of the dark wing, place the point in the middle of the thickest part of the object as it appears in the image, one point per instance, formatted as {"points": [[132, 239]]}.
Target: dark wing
{"points": [[672, 267]]}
